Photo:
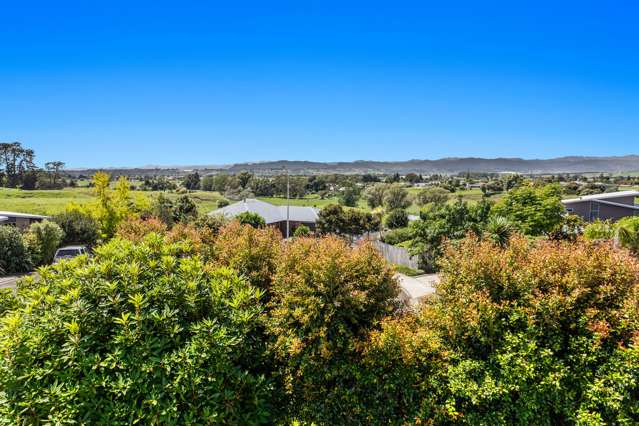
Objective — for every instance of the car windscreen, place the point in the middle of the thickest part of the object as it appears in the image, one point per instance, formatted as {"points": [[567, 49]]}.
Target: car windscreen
{"points": [[73, 252]]}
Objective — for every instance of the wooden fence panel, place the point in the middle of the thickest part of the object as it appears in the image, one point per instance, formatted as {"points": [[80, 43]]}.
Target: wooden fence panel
{"points": [[396, 255]]}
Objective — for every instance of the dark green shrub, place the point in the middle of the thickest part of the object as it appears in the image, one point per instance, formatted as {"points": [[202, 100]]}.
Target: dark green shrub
{"points": [[406, 270], [397, 218], [397, 236], [185, 209], [78, 227], [162, 208], [441, 222], [43, 239], [250, 218], [14, 253], [302, 231], [211, 222], [349, 196], [334, 219], [141, 333]]}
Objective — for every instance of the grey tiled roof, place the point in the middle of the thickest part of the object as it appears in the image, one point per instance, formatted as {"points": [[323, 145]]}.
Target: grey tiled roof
{"points": [[269, 212]]}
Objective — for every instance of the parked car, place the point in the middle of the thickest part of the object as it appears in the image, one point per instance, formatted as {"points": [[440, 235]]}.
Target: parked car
{"points": [[69, 252]]}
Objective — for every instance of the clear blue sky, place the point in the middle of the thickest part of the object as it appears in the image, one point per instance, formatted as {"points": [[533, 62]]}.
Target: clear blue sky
{"points": [[140, 82]]}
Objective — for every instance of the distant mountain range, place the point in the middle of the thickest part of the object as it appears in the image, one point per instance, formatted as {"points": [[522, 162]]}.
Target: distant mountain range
{"points": [[573, 164]]}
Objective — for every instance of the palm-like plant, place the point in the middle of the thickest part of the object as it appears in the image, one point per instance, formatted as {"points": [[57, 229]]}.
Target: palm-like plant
{"points": [[499, 229]]}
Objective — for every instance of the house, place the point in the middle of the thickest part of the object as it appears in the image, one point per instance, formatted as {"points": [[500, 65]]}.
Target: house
{"points": [[606, 206], [273, 215], [20, 220]]}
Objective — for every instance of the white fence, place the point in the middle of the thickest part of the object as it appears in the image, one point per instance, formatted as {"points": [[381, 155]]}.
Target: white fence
{"points": [[396, 255]]}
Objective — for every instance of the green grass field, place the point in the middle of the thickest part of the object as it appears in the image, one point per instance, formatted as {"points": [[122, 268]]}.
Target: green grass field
{"points": [[51, 202], [310, 201], [307, 201]]}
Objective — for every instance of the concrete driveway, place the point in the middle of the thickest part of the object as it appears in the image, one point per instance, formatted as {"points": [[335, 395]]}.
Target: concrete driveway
{"points": [[9, 281], [416, 289]]}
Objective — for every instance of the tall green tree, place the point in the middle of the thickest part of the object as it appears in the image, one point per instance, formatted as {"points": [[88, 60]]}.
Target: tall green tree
{"points": [[349, 196], [432, 195], [192, 181], [54, 168], [440, 222], [535, 210], [16, 162], [396, 197], [374, 195]]}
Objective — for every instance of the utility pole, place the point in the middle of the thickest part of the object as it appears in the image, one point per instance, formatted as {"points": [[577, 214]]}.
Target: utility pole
{"points": [[288, 194]]}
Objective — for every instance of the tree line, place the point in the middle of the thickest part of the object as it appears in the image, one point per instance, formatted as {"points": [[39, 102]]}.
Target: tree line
{"points": [[18, 169]]}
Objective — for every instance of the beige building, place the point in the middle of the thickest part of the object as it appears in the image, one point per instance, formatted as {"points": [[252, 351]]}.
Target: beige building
{"points": [[608, 206], [20, 220]]}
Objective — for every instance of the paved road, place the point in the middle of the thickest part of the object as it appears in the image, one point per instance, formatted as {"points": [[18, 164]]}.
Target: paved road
{"points": [[8, 282]]}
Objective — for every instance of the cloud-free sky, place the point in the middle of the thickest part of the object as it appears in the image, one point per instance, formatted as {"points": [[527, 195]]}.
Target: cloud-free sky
{"points": [[129, 83]]}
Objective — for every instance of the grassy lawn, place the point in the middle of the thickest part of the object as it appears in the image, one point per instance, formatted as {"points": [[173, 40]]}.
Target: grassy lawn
{"points": [[50, 202], [310, 201], [206, 201], [47, 202]]}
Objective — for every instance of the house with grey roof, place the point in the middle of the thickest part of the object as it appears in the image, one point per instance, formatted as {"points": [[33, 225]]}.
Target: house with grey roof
{"points": [[273, 215], [607, 206], [20, 220]]}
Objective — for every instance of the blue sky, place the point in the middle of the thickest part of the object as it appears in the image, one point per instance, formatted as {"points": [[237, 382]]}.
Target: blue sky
{"points": [[136, 83]]}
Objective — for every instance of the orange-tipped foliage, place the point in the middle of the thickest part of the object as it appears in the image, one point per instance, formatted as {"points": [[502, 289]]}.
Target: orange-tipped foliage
{"points": [[325, 297], [252, 252], [202, 239], [135, 229], [534, 328], [559, 286], [326, 290]]}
